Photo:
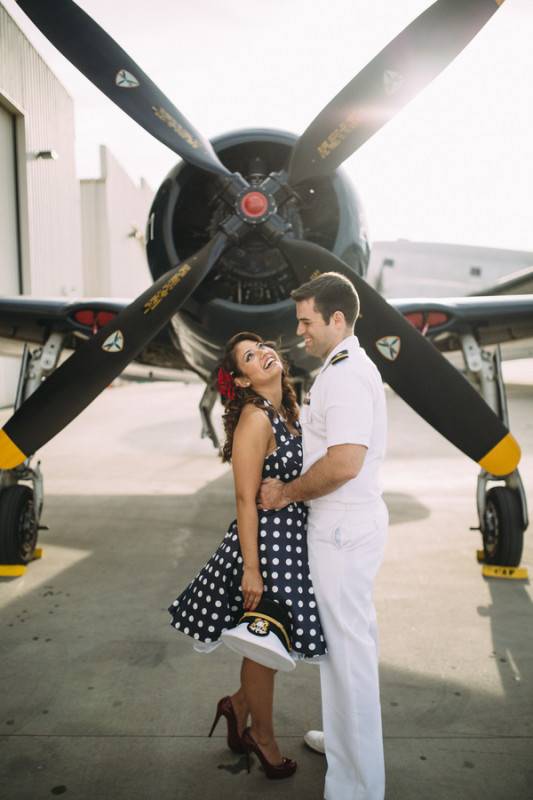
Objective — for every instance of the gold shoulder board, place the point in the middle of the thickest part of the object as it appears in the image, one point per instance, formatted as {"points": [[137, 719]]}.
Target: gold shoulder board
{"points": [[339, 357]]}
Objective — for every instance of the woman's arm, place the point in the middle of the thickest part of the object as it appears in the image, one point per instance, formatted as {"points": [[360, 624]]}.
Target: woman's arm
{"points": [[250, 443]]}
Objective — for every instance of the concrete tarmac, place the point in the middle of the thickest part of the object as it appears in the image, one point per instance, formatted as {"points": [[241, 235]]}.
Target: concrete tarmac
{"points": [[100, 699]]}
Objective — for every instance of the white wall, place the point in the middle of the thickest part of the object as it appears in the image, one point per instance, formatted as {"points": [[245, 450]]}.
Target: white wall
{"points": [[114, 214], [48, 202], [9, 249], [49, 195]]}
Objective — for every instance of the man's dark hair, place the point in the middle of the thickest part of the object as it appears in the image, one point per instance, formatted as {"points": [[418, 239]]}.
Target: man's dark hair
{"points": [[331, 292]]}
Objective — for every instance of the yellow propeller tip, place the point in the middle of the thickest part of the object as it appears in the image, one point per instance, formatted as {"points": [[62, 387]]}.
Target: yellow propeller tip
{"points": [[503, 458], [10, 455]]}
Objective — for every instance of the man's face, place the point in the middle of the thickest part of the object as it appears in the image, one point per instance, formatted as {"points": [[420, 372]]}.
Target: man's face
{"points": [[319, 338]]}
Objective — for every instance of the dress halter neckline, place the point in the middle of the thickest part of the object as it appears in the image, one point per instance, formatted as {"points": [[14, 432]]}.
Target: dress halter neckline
{"points": [[273, 407]]}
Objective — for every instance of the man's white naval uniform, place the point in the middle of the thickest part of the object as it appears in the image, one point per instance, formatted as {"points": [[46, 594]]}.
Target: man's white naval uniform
{"points": [[346, 539]]}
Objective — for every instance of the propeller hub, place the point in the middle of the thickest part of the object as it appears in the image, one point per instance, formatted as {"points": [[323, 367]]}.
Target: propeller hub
{"points": [[254, 206]]}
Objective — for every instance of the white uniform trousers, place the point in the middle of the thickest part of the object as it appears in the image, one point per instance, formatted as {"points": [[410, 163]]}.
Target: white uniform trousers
{"points": [[346, 544]]}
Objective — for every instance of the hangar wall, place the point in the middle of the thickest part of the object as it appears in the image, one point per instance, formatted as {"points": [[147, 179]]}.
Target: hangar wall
{"points": [[49, 195], [43, 195], [114, 213], [9, 234]]}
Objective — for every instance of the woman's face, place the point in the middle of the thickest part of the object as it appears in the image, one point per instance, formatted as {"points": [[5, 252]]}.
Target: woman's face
{"points": [[258, 364]]}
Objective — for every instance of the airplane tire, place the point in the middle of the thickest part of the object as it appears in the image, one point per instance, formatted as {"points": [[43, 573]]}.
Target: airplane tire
{"points": [[18, 526], [503, 536]]}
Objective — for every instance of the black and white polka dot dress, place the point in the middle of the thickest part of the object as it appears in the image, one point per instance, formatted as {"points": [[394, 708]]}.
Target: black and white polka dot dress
{"points": [[213, 601]]}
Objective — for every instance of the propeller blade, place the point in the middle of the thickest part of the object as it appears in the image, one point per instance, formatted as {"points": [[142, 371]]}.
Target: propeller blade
{"points": [[110, 68], [415, 369], [396, 75], [92, 367]]}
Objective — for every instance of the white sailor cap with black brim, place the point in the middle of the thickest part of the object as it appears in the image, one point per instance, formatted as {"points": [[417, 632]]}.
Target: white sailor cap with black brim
{"points": [[263, 636]]}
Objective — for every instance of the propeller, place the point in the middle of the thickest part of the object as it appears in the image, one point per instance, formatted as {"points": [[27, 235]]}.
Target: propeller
{"points": [[396, 75], [111, 69], [94, 364], [408, 362], [415, 369]]}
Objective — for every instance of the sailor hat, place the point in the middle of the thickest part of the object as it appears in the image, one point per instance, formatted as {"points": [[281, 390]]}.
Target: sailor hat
{"points": [[263, 636]]}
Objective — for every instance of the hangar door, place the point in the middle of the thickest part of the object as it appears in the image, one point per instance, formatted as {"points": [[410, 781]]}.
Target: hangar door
{"points": [[9, 250]]}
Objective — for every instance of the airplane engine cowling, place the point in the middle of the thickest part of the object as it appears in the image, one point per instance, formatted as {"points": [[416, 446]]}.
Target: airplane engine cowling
{"points": [[249, 289]]}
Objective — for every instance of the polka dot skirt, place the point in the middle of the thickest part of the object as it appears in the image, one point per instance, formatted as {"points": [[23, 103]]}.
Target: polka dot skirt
{"points": [[213, 601]]}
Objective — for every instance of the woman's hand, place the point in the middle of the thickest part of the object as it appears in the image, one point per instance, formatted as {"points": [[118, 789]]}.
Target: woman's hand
{"points": [[252, 588]]}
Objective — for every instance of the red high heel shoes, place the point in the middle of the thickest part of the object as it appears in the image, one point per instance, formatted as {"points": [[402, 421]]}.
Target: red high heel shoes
{"points": [[225, 709], [272, 771]]}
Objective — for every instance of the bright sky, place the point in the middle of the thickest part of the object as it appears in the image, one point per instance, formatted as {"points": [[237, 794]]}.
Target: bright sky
{"points": [[456, 165]]}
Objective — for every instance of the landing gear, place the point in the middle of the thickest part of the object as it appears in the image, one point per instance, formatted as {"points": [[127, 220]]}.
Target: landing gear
{"points": [[21, 504], [206, 407], [503, 531], [19, 525], [502, 508]]}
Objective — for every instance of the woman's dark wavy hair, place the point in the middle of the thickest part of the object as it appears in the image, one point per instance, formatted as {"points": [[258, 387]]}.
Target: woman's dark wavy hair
{"points": [[244, 396]]}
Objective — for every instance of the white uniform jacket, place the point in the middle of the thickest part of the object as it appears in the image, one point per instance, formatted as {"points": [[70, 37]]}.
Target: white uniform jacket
{"points": [[346, 405]]}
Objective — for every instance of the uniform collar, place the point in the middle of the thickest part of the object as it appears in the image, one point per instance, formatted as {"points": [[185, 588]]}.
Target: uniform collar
{"points": [[349, 343]]}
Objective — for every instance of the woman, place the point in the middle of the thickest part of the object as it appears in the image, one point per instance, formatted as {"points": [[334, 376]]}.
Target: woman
{"points": [[264, 553]]}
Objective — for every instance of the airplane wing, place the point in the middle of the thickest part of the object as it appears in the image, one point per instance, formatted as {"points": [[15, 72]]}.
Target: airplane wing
{"points": [[28, 319], [492, 320], [519, 282]]}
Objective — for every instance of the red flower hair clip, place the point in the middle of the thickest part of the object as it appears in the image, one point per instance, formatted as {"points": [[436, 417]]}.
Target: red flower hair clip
{"points": [[226, 384]]}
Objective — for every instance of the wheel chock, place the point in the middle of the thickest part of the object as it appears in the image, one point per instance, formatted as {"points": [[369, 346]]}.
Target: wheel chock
{"points": [[508, 573], [12, 570], [17, 570]]}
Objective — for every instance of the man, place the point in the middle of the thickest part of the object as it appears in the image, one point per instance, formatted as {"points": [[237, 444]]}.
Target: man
{"points": [[344, 430]]}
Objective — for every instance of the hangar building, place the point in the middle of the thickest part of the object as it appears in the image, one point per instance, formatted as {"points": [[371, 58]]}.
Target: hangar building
{"points": [[57, 238], [40, 229]]}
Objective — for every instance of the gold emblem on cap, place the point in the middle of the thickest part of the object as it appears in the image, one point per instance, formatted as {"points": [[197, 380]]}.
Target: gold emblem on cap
{"points": [[272, 621], [259, 626]]}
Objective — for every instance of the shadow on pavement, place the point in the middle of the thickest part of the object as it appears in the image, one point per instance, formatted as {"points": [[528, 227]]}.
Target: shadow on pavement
{"points": [[102, 699]]}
